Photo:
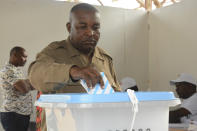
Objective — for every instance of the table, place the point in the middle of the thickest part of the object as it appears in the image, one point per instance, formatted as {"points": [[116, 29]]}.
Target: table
{"points": [[174, 129]]}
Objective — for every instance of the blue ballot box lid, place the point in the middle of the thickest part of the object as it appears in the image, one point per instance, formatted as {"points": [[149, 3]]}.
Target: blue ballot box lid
{"points": [[74, 98]]}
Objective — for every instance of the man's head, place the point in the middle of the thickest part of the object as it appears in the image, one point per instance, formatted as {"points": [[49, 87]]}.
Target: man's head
{"points": [[18, 56], [83, 27], [185, 85]]}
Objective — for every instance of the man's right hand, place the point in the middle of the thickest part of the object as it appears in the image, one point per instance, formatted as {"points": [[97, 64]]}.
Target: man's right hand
{"points": [[89, 74]]}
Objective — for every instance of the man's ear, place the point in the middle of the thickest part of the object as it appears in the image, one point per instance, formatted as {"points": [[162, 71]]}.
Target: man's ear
{"points": [[68, 26]]}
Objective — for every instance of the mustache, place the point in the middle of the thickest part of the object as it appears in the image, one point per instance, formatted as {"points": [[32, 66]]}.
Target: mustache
{"points": [[89, 41]]}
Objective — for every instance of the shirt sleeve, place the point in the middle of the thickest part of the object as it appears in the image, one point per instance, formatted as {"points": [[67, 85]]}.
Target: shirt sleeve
{"points": [[116, 84], [190, 104], [47, 76]]}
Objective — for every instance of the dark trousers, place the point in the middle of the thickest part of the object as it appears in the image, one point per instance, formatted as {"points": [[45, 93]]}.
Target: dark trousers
{"points": [[12, 121]]}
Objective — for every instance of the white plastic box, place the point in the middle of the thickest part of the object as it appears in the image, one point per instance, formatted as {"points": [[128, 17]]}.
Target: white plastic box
{"points": [[112, 112]]}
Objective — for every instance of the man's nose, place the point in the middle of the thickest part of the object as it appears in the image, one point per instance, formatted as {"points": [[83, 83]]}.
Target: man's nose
{"points": [[90, 32], [24, 60]]}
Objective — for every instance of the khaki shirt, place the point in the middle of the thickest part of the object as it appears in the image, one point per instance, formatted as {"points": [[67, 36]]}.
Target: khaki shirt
{"points": [[50, 72]]}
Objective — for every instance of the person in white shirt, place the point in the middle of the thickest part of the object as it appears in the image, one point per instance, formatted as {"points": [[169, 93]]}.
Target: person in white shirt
{"points": [[17, 101], [186, 89]]}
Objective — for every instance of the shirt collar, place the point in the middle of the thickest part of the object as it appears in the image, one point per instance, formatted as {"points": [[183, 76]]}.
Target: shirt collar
{"points": [[72, 51], [12, 66], [97, 54]]}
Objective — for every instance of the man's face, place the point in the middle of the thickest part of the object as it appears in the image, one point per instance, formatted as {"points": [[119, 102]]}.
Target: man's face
{"points": [[84, 30], [183, 89], [21, 58]]}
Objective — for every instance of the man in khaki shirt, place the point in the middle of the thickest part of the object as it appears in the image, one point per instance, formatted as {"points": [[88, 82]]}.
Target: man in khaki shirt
{"points": [[59, 67]]}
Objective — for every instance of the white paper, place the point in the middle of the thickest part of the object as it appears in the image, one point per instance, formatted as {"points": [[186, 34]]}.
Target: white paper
{"points": [[97, 89]]}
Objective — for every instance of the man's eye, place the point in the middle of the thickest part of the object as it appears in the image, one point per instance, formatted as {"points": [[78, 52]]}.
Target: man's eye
{"points": [[96, 27]]}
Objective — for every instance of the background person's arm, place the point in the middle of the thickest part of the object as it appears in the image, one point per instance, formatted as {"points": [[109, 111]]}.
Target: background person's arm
{"points": [[22, 86], [175, 116], [29, 84]]}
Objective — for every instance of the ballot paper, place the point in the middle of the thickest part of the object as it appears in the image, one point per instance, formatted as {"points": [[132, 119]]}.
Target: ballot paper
{"points": [[97, 89]]}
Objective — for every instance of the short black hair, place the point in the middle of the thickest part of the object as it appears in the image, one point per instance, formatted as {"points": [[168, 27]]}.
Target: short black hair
{"points": [[83, 6], [16, 49], [186, 83]]}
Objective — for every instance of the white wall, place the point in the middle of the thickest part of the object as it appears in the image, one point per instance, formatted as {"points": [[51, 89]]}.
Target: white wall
{"points": [[33, 24], [172, 43], [125, 37]]}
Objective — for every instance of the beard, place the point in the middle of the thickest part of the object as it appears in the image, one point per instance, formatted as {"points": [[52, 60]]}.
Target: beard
{"points": [[85, 47]]}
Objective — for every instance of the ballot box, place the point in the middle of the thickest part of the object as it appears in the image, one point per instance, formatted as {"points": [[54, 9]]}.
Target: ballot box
{"points": [[107, 112]]}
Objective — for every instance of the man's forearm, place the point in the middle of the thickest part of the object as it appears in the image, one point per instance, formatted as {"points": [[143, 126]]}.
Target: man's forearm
{"points": [[43, 74], [174, 117], [22, 86], [29, 84]]}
